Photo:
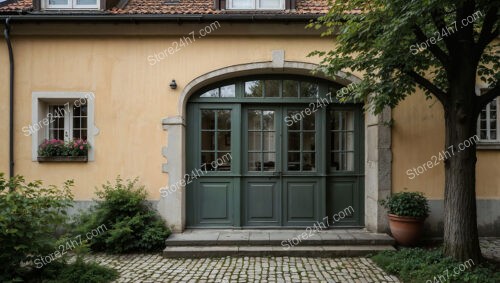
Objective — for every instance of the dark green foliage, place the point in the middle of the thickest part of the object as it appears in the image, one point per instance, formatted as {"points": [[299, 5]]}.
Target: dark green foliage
{"points": [[77, 272], [380, 40], [30, 214], [133, 225], [407, 204], [420, 265]]}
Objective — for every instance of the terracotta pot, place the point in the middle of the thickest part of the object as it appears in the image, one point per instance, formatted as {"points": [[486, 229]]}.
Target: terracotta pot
{"points": [[406, 230]]}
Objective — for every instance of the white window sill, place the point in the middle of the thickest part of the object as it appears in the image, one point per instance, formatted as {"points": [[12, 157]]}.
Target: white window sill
{"points": [[488, 145]]}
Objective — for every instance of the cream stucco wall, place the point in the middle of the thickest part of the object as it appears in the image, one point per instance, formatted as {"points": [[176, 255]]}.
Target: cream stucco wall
{"points": [[418, 134], [131, 96]]}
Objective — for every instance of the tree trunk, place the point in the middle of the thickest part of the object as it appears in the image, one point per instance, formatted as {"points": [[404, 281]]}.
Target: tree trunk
{"points": [[461, 240]]}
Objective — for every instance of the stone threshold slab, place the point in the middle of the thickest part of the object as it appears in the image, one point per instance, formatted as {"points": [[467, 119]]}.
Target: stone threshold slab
{"points": [[259, 251], [228, 237]]}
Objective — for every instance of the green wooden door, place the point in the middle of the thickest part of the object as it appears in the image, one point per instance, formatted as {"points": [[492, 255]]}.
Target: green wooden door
{"points": [[287, 167]]}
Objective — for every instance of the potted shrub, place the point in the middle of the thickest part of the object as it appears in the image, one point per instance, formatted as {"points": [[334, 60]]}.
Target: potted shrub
{"points": [[407, 213], [57, 150]]}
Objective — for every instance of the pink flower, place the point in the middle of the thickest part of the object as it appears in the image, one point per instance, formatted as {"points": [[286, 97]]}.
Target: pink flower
{"points": [[81, 147]]}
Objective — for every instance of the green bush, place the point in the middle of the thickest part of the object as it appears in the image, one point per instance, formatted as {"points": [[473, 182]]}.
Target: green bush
{"points": [[30, 214], [418, 265], [412, 204], [133, 225]]}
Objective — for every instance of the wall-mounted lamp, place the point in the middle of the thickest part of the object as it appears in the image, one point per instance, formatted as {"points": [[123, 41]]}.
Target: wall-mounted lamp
{"points": [[173, 84]]}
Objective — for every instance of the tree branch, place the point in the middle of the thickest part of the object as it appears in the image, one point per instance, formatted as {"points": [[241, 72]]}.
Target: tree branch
{"points": [[438, 19], [487, 34], [488, 96], [437, 92], [440, 54]]}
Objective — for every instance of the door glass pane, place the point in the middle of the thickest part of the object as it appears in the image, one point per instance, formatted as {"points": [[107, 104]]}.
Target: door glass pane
{"points": [[308, 89], [349, 141], [224, 140], [207, 140], [349, 162], [254, 119], [215, 139], [294, 141], [253, 88], [342, 140], [310, 122], [208, 119], [293, 161], [268, 117], [261, 140], [290, 88], [224, 120], [309, 141], [228, 91], [211, 93], [206, 160], [223, 161], [269, 141], [335, 156], [272, 88], [269, 161], [293, 120], [254, 162], [302, 143], [254, 141], [308, 161]]}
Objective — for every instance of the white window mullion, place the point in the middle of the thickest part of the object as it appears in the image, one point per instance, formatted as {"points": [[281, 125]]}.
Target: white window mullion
{"points": [[67, 122], [488, 121]]}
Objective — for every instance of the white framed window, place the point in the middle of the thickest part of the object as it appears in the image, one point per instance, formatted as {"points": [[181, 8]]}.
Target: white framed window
{"points": [[256, 4], [67, 121], [63, 116], [71, 4], [488, 122]]}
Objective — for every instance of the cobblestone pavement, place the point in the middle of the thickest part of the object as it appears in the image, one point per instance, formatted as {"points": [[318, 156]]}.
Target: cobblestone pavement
{"points": [[490, 247], [155, 268]]}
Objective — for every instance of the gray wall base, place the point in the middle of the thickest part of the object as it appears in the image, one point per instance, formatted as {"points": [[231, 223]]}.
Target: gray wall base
{"points": [[488, 218]]}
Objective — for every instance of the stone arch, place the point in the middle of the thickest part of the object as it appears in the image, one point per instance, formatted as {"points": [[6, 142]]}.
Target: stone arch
{"points": [[288, 67]]}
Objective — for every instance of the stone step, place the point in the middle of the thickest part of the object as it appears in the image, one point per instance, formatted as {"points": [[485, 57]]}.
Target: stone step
{"points": [[259, 251], [290, 238]]}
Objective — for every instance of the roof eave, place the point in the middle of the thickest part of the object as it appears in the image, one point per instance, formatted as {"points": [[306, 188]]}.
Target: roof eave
{"points": [[160, 18]]}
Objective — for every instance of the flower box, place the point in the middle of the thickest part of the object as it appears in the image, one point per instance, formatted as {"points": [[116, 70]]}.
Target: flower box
{"points": [[62, 159], [55, 150]]}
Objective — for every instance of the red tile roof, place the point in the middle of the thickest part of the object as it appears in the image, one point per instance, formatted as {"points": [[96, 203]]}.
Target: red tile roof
{"points": [[15, 6], [184, 7]]}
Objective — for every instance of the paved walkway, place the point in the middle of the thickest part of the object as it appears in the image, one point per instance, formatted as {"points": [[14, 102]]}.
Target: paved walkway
{"points": [[155, 268], [491, 248]]}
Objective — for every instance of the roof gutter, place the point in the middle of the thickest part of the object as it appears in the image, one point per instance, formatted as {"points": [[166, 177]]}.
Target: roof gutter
{"points": [[11, 95], [162, 18]]}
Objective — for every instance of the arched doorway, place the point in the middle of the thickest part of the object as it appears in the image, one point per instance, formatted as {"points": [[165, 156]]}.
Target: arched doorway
{"points": [[273, 151]]}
